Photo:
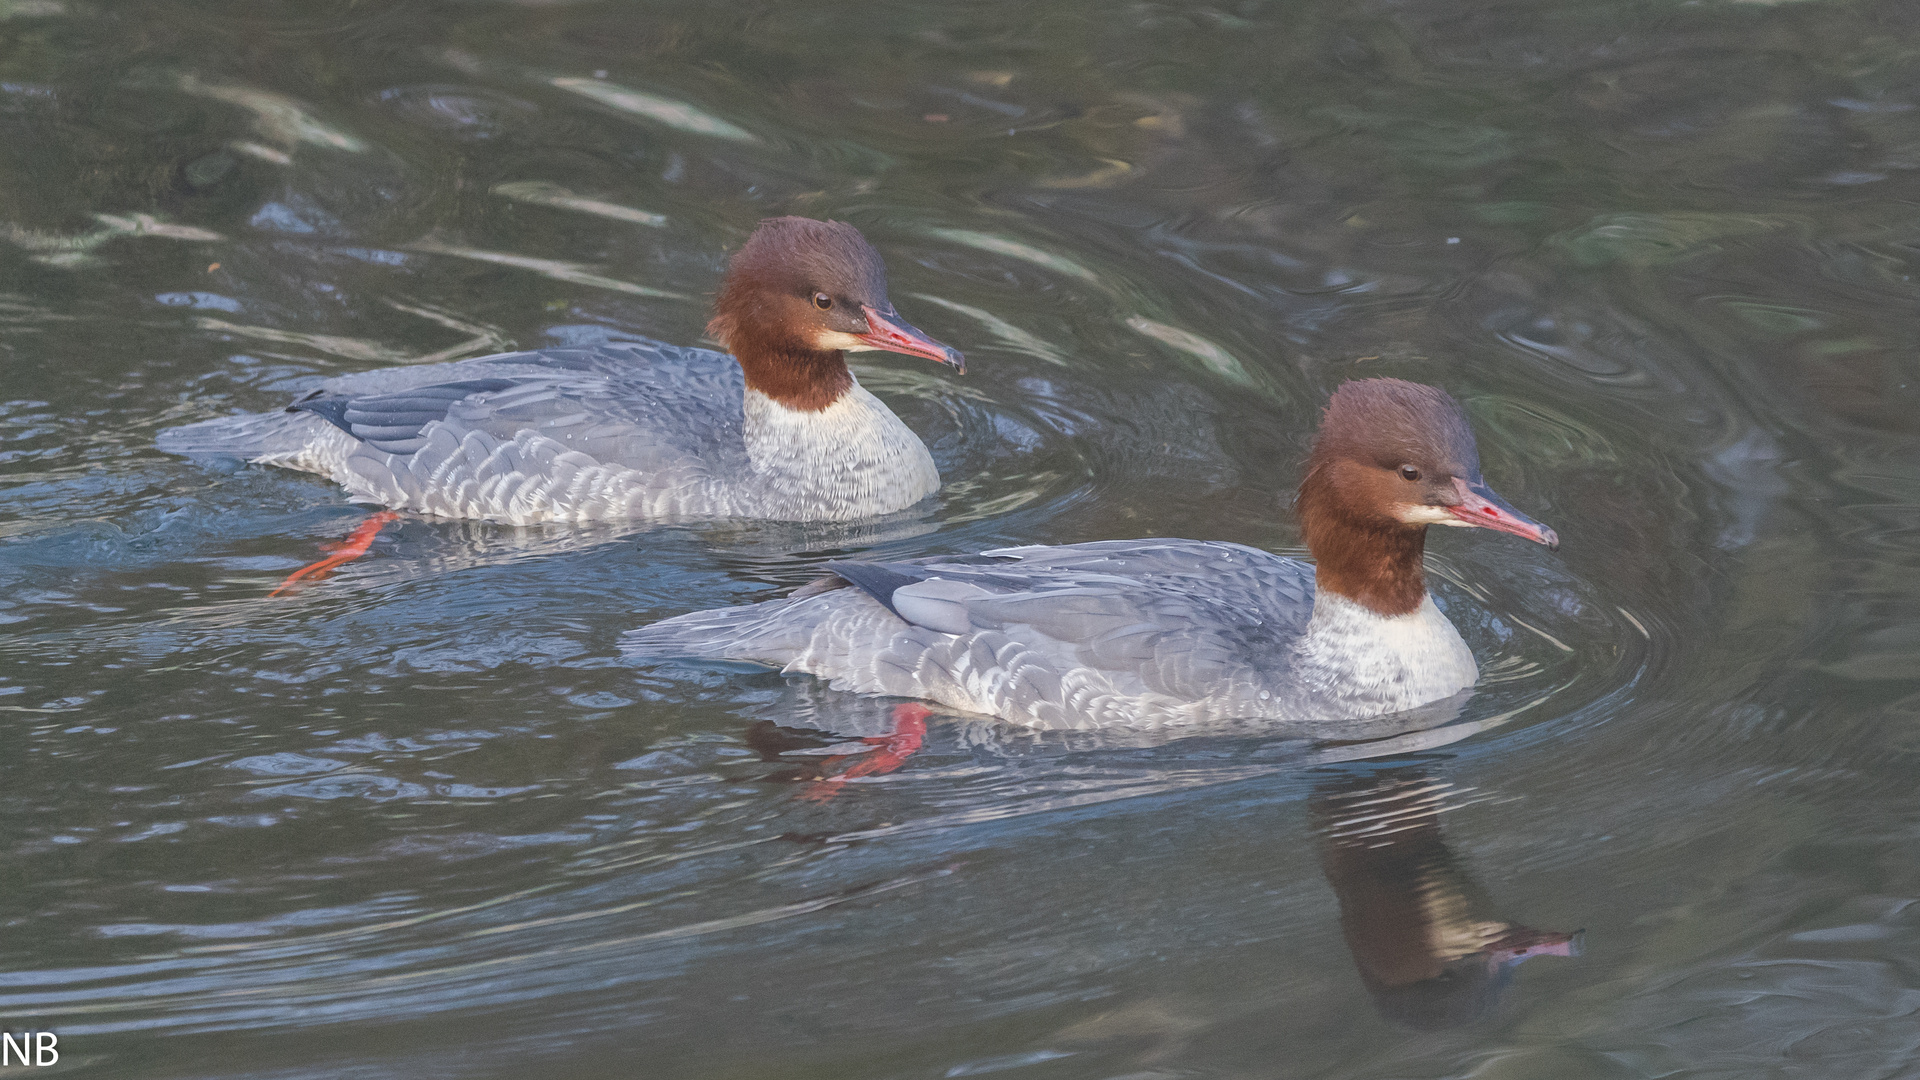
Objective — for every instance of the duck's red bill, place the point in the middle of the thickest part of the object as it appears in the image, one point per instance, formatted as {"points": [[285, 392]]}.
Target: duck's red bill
{"points": [[886, 330], [1480, 507]]}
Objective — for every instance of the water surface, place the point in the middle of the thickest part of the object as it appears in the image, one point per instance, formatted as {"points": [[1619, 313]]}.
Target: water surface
{"points": [[422, 820]]}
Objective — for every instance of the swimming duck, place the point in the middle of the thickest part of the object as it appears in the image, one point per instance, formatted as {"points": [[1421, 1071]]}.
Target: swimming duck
{"points": [[779, 430], [1153, 633]]}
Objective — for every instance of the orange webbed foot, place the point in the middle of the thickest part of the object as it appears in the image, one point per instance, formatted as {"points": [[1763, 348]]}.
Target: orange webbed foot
{"points": [[345, 551], [889, 752]]}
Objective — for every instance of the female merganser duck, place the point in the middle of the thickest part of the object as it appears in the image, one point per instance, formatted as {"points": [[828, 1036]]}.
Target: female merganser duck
{"points": [[780, 430], [1150, 633]]}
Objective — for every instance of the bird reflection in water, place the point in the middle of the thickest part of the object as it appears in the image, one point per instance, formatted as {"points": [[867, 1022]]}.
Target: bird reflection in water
{"points": [[1425, 938], [1421, 931]]}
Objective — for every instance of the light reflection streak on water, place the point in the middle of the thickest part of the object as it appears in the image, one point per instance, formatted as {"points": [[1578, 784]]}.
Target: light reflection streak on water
{"points": [[556, 269], [674, 114], [546, 193]]}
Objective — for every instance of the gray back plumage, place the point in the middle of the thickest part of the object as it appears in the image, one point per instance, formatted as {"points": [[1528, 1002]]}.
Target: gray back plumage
{"points": [[1138, 633], [628, 403]]}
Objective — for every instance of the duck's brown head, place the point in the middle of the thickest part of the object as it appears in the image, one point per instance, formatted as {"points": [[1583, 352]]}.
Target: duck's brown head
{"points": [[798, 295], [1392, 458]]}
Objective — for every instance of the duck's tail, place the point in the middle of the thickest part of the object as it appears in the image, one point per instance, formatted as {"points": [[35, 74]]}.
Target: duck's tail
{"points": [[739, 633], [771, 632], [249, 435]]}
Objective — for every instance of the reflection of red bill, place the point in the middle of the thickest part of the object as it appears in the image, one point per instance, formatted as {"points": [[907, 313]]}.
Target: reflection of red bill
{"points": [[354, 546], [889, 752], [1521, 943]]}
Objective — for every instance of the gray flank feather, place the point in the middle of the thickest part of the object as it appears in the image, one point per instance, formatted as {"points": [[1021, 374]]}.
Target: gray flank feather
{"points": [[1148, 633], [616, 432]]}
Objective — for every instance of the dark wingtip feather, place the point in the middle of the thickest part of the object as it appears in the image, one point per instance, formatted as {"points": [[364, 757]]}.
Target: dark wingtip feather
{"points": [[875, 579], [331, 409]]}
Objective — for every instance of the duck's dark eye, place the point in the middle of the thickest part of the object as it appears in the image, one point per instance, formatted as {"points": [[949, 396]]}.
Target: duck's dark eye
{"points": [[1409, 472], [822, 301]]}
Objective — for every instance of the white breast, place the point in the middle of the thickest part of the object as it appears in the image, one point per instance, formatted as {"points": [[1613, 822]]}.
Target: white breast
{"points": [[851, 459], [1362, 663]]}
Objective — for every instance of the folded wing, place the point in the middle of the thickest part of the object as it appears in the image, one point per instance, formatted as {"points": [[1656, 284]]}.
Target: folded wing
{"points": [[1137, 632]]}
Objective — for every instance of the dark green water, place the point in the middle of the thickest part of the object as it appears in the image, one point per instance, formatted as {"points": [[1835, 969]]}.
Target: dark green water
{"points": [[422, 821]]}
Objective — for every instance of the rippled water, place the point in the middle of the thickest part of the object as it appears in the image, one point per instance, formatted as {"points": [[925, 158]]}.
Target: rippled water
{"points": [[423, 821]]}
